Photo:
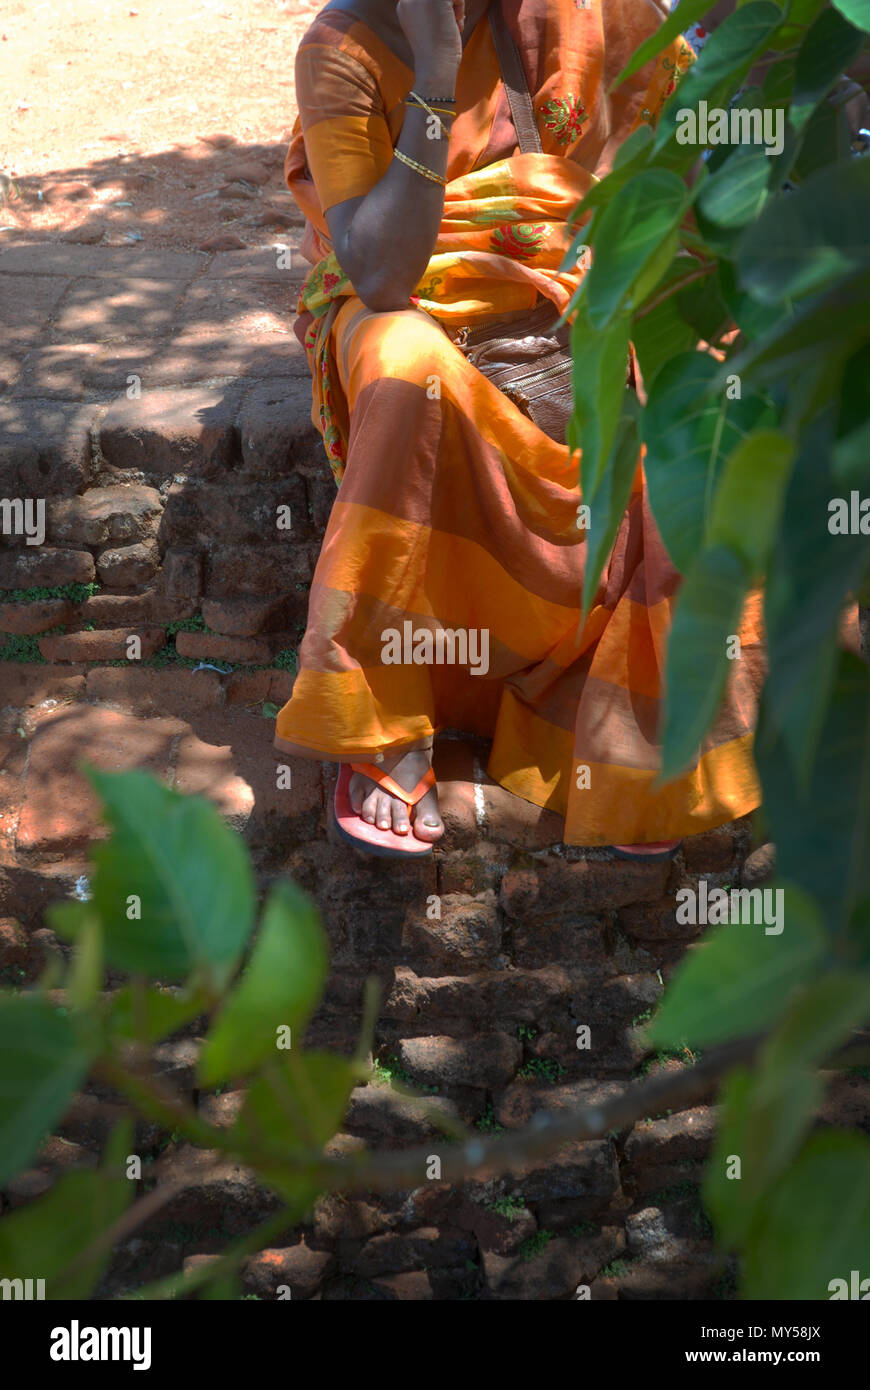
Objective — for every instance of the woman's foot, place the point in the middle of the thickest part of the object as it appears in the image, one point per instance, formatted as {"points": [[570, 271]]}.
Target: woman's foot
{"points": [[377, 807]]}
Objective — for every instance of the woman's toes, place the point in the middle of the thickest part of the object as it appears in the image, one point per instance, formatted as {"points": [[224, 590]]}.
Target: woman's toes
{"points": [[401, 823], [428, 824], [385, 818], [356, 792], [369, 809]]}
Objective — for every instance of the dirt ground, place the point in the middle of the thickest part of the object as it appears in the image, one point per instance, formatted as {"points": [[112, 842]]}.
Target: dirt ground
{"points": [[156, 124]]}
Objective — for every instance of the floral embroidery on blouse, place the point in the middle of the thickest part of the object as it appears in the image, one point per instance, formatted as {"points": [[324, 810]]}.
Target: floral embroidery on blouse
{"points": [[521, 241], [564, 117]]}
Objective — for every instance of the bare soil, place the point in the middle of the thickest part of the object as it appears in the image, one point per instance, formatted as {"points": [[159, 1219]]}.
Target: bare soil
{"points": [[147, 124]]}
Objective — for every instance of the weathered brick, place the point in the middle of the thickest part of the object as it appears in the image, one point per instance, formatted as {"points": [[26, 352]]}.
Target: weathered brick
{"points": [[184, 430], [47, 258], [56, 371], [106, 514], [94, 308], [276, 432], [253, 687], [245, 617], [180, 580], [144, 690], [26, 305], [38, 615], [266, 569], [465, 936], [110, 644], [245, 514], [555, 888], [298, 1268], [209, 646], [127, 566], [586, 1170], [45, 447], [489, 1060], [42, 567]]}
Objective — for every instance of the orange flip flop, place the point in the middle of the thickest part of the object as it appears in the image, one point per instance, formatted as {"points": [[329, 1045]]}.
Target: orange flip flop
{"points": [[656, 849], [358, 832]]}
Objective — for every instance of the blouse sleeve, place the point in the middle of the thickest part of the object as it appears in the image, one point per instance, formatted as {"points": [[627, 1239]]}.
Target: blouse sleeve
{"points": [[347, 138]]}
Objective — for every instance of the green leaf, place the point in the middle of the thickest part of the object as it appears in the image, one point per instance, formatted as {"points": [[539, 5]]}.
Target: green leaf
{"points": [[821, 237], [825, 53], [822, 829], [824, 140], [634, 242], [818, 1022], [600, 364], [703, 307], [735, 194], [814, 1227], [707, 613], [829, 324], [48, 1237], [609, 501], [856, 11], [812, 571], [42, 1062], [659, 330], [748, 499], [85, 978], [801, 14], [280, 987], [295, 1107], [688, 434], [762, 1130], [153, 1014], [631, 156], [742, 979], [726, 57], [189, 871], [681, 18]]}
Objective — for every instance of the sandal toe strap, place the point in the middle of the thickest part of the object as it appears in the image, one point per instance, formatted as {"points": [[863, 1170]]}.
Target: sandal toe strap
{"points": [[387, 784]]}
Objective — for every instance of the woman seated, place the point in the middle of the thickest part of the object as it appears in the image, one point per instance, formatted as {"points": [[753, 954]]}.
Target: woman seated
{"points": [[447, 594]]}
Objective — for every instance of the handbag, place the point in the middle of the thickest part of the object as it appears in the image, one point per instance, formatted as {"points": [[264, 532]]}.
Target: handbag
{"points": [[524, 354]]}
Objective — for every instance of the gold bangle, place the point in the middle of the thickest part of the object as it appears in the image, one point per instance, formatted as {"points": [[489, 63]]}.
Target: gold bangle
{"points": [[420, 168], [413, 97]]}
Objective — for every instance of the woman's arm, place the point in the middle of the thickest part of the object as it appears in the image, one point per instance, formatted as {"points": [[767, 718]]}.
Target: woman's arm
{"points": [[383, 241]]}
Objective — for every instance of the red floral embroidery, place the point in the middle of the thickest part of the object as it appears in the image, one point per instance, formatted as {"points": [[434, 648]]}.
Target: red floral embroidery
{"points": [[564, 117]]}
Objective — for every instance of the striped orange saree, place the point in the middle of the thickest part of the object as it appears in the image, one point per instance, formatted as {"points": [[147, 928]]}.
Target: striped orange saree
{"points": [[455, 514]]}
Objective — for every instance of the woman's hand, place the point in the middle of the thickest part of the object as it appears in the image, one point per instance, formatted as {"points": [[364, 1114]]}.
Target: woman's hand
{"points": [[433, 28]]}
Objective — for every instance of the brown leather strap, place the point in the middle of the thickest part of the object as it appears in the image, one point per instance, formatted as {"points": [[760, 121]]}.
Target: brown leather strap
{"points": [[515, 81]]}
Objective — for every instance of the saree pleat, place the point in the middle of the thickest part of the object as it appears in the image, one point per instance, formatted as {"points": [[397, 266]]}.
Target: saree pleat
{"points": [[455, 514]]}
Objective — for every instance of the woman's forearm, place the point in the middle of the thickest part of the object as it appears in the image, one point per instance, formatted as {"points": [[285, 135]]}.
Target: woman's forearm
{"points": [[385, 245]]}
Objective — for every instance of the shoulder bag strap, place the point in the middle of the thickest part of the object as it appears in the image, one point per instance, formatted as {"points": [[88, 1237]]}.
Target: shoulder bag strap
{"points": [[514, 78]]}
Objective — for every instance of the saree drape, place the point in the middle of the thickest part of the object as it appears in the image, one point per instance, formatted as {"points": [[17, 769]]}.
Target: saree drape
{"points": [[455, 513]]}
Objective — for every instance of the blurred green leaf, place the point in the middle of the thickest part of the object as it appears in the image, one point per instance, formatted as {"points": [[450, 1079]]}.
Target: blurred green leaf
{"points": [[42, 1062], [820, 236], [610, 499], [43, 1239], [735, 194], [635, 240], [688, 434], [600, 367], [152, 1014], [814, 1226], [190, 873], [761, 1130], [856, 11], [742, 979], [826, 51], [281, 986], [748, 501], [727, 56], [822, 828], [707, 613]]}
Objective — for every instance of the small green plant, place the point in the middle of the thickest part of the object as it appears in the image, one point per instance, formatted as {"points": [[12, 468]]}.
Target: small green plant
{"points": [[526, 1033], [76, 593], [535, 1245], [510, 1207], [614, 1270], [541, 1069], [583, 1228], [487, 1122]]}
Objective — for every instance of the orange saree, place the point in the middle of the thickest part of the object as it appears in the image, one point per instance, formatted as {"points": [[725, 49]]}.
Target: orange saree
{"points": [[455, 515]]}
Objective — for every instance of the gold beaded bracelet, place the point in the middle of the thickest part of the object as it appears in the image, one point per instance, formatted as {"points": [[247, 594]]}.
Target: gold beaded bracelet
{"points": [[416, 100], [420, 168]]}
